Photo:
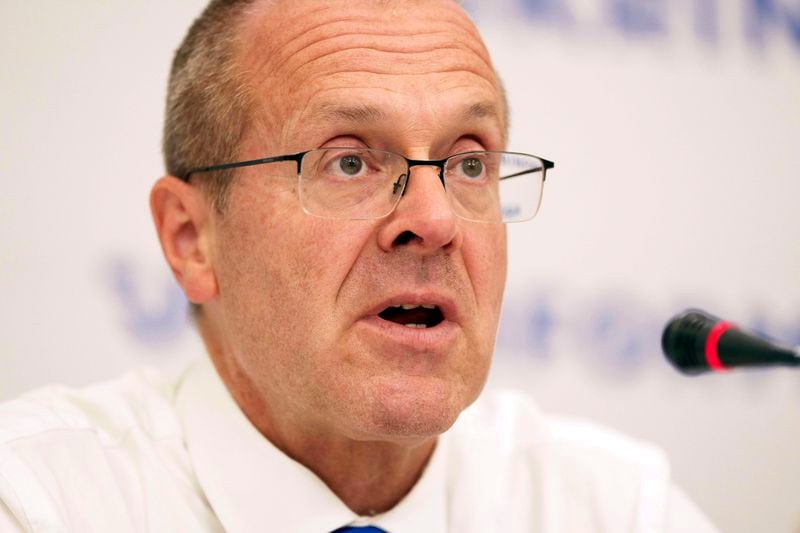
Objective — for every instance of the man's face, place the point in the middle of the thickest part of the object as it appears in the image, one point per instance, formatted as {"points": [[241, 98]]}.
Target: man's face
{"points": [[301, 297]]}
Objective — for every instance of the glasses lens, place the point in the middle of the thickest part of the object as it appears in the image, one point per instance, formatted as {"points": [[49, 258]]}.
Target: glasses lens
{"points": [[351, 183], [495, 186]]}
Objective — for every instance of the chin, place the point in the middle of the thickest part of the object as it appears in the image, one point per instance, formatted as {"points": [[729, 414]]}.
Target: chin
{"points": [[415, 408]]}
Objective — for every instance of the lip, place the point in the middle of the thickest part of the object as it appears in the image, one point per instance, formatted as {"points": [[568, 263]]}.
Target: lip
{"points": [[429, 340], [441, 300]]}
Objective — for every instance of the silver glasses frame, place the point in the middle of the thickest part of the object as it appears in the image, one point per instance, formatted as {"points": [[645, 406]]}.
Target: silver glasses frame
{"points": [[402, 181]]}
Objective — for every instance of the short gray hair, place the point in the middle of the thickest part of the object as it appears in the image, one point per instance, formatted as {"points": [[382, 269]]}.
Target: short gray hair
{"points": [[208, 100]]}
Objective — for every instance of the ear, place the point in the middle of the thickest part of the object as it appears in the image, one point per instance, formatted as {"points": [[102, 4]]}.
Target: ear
{"points": [[182, 215]]}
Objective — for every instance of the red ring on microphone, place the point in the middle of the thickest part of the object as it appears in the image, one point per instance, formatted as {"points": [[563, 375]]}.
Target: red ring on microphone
{"points": [[712, 356]]}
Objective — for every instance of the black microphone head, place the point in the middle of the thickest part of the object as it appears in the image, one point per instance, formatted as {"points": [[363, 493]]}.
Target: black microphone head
{"points": [[696, 342], [683, 340]]}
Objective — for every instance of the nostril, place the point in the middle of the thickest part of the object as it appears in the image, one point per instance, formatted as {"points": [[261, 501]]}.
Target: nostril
{"points": [[404, 238]]}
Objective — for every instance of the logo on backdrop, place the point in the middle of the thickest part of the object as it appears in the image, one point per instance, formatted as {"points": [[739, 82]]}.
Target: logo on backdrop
{"points": [[761, 20], [151, 307], [617, 333]]}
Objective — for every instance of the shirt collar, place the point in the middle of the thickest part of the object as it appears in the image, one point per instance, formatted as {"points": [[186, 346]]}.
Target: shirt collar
{"points": [[253, 486]]}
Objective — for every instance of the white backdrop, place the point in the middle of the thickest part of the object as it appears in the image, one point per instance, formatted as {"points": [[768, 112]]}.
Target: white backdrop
{"points": [[674, 125]]}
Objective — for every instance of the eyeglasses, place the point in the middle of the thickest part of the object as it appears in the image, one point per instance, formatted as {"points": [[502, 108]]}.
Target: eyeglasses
{"points": [[364, 184]]}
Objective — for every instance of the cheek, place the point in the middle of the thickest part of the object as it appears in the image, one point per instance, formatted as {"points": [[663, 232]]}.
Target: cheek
{"points": [[281, 269], [485, 254], [313, 257], [486, 261]]}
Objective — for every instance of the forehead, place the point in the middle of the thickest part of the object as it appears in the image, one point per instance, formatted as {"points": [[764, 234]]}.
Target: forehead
{"points": [[367, 61]]}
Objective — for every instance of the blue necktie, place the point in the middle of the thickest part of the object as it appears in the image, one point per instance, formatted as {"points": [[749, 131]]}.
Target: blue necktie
{"points": [[359, 529]]}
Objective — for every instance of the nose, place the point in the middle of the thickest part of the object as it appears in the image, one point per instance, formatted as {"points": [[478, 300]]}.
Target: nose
{"points": [[424, 218]]}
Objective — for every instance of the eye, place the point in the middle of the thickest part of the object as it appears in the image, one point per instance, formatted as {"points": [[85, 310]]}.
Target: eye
{"points": [[471, 167], [348, 165], [351, 165]]}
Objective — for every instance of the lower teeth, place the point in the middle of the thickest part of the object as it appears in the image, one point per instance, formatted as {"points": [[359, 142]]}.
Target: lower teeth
{"points": [[417, 326]]}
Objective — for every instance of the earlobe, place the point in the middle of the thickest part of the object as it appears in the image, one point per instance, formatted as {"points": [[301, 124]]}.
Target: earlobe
{"points": [[182, 217]]}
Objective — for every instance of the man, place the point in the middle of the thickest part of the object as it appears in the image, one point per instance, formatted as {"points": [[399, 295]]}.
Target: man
{"points": [[333, 212]]}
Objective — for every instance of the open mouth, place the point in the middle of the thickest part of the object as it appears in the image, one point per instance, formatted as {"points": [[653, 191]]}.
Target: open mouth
{"points": [[413, 316]]}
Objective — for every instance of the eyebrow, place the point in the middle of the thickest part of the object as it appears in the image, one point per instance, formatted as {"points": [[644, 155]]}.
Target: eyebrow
{"points": [[484, 109], [356, 113], [363, 113], [489, 110]]}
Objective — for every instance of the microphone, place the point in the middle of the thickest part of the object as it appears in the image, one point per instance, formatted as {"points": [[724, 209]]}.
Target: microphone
{"points": [[696, 342]]}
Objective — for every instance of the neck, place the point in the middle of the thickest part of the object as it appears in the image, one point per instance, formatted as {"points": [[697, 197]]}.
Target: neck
{"points": [[370, 477]]}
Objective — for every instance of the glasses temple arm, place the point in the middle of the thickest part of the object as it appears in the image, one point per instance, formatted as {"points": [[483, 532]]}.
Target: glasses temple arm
{"points": [[547, 165], [293, 157]]}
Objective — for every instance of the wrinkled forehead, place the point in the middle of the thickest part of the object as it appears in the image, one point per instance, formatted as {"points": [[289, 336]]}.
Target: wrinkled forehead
{"points": [[296, 50]]}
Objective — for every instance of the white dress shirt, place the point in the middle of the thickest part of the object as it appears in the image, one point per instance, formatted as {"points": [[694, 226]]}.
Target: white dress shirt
{"points": [[146, 454]]}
